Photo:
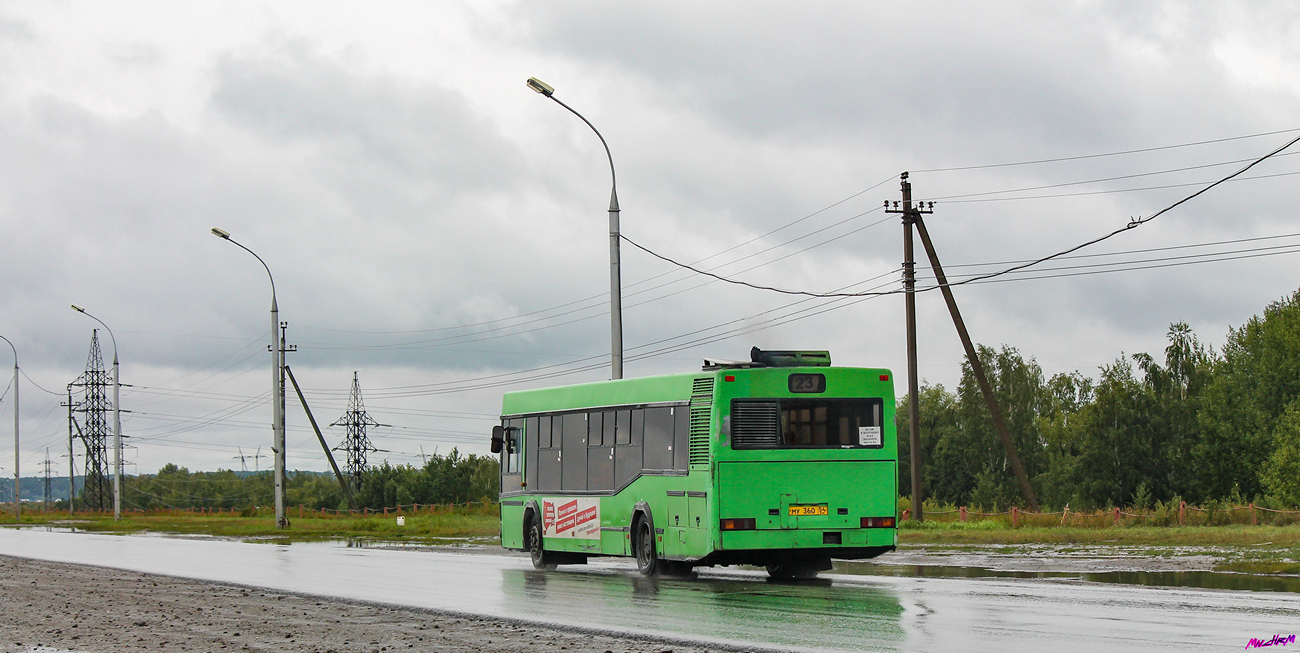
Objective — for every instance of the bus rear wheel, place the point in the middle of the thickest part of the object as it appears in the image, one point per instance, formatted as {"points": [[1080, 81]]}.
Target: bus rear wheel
{"points": [[542, 559], [647, 559]]}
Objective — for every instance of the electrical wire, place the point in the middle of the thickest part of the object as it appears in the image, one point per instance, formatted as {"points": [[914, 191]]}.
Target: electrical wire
{"points": [[1133, 223], [1108, 154]]}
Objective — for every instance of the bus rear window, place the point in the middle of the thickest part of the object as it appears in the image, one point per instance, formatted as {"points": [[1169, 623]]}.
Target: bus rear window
{"points": [[807, 423]]}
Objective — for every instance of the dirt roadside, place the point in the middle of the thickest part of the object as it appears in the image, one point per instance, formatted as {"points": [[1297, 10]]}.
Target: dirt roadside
{"points": [[50, 606]]}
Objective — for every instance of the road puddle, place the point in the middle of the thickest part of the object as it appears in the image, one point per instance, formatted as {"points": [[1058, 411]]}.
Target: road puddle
{"points": [[1218, 580]]}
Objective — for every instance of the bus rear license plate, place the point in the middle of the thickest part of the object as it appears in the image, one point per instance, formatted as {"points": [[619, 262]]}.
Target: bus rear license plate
{"points": [[804, 511]]}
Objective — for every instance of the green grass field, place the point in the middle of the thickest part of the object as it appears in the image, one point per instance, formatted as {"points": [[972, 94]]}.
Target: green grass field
{"points": [[445, 524]]}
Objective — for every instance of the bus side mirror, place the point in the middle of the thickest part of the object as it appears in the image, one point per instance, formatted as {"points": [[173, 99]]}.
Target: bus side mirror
{"points": [[498, 438]]}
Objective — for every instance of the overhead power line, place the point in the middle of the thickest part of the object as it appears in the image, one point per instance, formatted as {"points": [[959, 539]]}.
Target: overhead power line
{"points": [[1133, 223], [1107, 154]]}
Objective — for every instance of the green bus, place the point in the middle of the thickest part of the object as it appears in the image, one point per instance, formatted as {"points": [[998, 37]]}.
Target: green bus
{"points": [[782, 462]]}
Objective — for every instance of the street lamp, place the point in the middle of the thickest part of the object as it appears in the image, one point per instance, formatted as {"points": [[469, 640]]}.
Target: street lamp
{"points": [[117, 420], [18, 497], [615, 286], [277, 388]]}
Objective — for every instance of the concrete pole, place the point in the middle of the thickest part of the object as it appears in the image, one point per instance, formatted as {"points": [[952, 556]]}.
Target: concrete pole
{"points": [[277, 386], [18, 497], [117, 436], [280, 520], [615, 283], [72, 479]]}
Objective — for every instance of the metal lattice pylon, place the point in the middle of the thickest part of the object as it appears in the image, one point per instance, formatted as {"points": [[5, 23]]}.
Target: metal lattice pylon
{"points": [[93, 429], [356, 443]]}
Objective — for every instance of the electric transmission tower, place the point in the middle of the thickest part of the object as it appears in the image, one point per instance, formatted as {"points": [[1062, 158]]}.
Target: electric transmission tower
{"points": [[93, 429], [356, 443], [47, 479]]}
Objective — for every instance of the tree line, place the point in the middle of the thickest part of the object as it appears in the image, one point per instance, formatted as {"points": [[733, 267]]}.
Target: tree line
{"points": [[1201, 425], [450, 479]]}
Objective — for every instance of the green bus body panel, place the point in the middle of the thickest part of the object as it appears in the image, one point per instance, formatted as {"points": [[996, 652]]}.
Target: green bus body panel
{"points": [[861, 488], [733, 483], [512, 538]]}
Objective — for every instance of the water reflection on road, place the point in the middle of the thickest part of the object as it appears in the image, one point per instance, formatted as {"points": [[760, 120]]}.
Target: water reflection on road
{"points": [[745, 608], [845, 612]]}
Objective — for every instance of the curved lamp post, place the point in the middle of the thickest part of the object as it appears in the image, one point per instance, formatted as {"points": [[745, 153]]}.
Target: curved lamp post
{"points": [[277, 387], [18, 497], [117, 420], [615, 286]]}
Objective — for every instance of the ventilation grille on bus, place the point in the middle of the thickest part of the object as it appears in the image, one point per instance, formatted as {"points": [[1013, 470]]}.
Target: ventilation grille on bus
{"points": [[754, 424], [701, 419]]}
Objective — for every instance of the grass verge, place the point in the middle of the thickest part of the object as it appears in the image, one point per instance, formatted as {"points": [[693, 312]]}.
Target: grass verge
{"points": [[471, 522]]}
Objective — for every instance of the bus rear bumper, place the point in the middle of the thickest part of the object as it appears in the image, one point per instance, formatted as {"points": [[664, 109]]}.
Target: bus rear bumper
{"points": [[763, 557]]}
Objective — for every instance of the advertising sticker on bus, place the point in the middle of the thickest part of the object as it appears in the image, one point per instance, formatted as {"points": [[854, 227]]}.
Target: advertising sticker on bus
{"points": [[577, 518]]}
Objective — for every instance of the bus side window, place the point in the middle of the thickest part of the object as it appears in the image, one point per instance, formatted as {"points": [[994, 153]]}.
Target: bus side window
{"points": [[543, 437], [548, 464], [600, 451], [623, 427], [573, 455], [627, 457], [638, 426], [659, 438], [607, 433], [532, 430]]}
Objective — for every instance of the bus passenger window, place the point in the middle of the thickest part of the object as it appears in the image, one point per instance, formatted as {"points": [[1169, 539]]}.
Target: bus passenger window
{"points": [[623, 427], [544, 432], [659, 438], [638, 426], [607, 433]]}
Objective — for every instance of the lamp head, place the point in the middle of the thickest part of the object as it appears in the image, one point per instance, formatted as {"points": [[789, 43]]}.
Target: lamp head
{"points": [[78, 309], [221, 233], [540, 86]]}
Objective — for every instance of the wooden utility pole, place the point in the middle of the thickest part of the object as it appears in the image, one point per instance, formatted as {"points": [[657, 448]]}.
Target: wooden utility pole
{"points": [[910, 216], [977, 368]]}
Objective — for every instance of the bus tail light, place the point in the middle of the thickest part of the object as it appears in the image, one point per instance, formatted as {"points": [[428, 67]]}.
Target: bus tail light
{"points": [[877, 522], [738, 524]]}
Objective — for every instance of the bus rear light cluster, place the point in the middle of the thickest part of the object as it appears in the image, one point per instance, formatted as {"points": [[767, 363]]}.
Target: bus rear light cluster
{"points": [[748, 524], [877, 522]]}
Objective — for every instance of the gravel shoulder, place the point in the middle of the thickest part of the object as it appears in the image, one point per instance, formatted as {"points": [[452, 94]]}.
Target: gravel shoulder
{"points": [[51, 606]]}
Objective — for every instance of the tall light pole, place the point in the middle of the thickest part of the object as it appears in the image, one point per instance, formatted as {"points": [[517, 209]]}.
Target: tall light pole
{"points": [[117, 419], [615, 285], [18, 500], [277, 388]]}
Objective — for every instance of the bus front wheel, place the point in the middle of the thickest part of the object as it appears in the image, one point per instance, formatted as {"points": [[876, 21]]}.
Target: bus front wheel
{"points": [[647, 559], [542, 559]]}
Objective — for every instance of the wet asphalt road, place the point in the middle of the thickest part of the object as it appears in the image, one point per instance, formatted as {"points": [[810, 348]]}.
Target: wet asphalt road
{"points": [[837, 613]]}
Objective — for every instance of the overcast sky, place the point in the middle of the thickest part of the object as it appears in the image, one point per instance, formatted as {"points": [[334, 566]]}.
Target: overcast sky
{"points": [[437, 227]]}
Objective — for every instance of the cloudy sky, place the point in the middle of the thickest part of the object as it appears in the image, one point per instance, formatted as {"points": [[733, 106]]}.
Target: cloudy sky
{"points": [[440, 229]]}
